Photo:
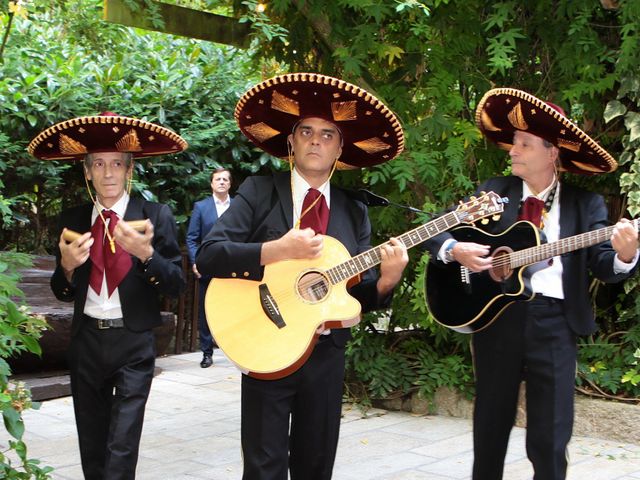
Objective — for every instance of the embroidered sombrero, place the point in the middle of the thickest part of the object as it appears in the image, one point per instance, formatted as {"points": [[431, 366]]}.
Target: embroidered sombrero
{"points": [[107, 132], [502, 111], [267, 113]]}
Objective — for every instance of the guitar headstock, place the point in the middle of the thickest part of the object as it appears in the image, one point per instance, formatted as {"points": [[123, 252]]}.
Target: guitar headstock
{"points": [[488, 204]]}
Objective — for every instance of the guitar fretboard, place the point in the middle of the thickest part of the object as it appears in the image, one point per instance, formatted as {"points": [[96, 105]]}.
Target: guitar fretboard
{"points": [[539, 253], [366, 260]]}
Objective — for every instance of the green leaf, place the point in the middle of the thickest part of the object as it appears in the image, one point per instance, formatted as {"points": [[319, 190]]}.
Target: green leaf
{"points": [[13, 423], [614, 109]]}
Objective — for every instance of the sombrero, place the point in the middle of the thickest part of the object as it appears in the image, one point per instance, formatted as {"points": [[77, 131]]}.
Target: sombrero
{"points": [[267, 113], [502, 111], [107, 132]]}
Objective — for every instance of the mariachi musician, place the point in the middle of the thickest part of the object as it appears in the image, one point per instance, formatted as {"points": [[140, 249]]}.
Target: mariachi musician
{"points": [[535, 341], [319, 122], [116, 256]]}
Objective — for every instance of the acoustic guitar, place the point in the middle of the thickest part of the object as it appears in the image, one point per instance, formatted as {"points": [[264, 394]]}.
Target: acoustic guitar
{"points": [[469, 302], [268, 328]]}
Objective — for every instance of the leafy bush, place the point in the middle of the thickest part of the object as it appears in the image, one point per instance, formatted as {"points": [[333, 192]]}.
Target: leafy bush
{"points": [[19, 332]]}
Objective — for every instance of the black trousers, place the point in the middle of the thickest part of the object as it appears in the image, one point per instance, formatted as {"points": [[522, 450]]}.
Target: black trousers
{"points": [[294, 422], [111, 372], [531, 341]]}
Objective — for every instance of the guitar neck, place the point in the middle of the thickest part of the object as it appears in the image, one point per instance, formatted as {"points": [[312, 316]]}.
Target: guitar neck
{"points": [[546, 251], [369, 259]]}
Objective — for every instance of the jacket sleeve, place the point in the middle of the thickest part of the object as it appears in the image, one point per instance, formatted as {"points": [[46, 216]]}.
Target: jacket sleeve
{"points": [[193, 232], [601, 256], [164, 271]]}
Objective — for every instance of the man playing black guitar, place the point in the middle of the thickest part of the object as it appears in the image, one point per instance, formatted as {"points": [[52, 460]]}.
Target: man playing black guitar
{"points": [[535, 340]]}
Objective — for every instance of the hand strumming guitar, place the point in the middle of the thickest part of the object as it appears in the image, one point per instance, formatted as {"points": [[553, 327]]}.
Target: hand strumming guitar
{"points": [[472, 255]]}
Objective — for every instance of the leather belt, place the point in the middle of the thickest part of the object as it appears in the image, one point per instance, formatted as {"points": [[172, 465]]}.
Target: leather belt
{"points": [[106, 323], [546, 299]]}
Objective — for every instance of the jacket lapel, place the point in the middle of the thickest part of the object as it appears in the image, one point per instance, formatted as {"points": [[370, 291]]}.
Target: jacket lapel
{"points": [[282, 183]]}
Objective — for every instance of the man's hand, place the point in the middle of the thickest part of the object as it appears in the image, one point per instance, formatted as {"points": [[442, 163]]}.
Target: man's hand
{"points": [[472, 255], [73, 254], [394, 259], [134, 243], [194, 268], [624, 240], [295, 244]]}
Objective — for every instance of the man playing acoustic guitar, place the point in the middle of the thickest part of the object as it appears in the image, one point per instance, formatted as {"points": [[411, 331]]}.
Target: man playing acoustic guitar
{"points": [[535, 341], [291, 421]]}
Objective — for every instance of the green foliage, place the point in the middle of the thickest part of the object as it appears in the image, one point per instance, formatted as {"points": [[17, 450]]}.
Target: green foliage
{"points": [[431, 61], [609, 363], [19, 332], [63, 61]]}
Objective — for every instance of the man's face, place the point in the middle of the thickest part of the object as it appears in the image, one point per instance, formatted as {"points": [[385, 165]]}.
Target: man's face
{"points": [[316, 145], [108, 173], [221, 183], [531, 160]]}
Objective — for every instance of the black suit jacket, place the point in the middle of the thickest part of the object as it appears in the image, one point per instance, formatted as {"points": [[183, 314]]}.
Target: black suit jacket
{"points": [[140, 290], [261, 211], [580, 212]]}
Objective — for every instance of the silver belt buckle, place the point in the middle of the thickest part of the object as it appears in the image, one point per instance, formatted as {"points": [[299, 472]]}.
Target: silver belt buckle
{"points": [[104, 323]]}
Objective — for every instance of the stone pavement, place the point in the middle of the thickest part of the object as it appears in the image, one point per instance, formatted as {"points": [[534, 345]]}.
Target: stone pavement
{"points": [[192, 431]]}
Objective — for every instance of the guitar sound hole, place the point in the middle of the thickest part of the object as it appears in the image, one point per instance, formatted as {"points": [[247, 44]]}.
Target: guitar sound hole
{"points": [[501, 269], [313, 287]]}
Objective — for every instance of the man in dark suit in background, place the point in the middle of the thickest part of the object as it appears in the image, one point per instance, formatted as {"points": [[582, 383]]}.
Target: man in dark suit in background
{"points": [[535, 341], [292, 423], [115, 276], [205, 214]]}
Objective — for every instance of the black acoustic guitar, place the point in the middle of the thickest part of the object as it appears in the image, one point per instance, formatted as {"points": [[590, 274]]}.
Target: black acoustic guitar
{"points": [[469, 302]]}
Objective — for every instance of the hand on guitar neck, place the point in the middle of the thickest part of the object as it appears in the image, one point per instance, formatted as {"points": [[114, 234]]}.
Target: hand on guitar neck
{"points": [[624, 240]]}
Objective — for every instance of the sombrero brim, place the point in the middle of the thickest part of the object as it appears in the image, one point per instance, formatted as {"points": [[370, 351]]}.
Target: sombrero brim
{"points": [[267, 113], [77, 137], [502, 111]]}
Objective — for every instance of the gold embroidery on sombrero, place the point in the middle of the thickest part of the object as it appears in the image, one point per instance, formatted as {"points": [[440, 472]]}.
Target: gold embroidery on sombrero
{"points": [[261, 131], [342, 111], [285, 104], [516, 118], [129, 143], [488, 124], [569, 145], [372, 145], [588, 167], [69, 146]]}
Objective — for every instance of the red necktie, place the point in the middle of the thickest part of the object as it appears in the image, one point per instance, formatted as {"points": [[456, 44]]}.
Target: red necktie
{"points": [[532, 211], [317, 217], [114, 265]]}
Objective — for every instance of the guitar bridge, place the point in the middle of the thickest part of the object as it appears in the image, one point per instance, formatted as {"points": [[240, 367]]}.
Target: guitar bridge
{"points": [[464, 275], [270, 307]]}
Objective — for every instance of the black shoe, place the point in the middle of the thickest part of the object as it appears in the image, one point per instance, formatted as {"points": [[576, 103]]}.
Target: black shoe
{"points": [[207, 361]]}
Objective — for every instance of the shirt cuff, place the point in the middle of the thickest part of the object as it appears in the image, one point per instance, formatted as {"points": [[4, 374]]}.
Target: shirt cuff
{"points": [[620, 267], [441, 253]]}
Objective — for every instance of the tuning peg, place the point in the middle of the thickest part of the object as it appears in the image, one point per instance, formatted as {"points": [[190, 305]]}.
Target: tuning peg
{"points": [[495, 218], [473, 198], [484, 221], [483, 193]]}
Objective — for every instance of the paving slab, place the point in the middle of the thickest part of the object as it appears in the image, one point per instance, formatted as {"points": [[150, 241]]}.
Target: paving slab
{"points": [[192, 432]]}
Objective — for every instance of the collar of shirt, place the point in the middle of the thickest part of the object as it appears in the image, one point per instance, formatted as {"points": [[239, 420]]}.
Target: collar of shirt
{"points": [[222, 203], [526, 191], [120, 207], [300, 189]]}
